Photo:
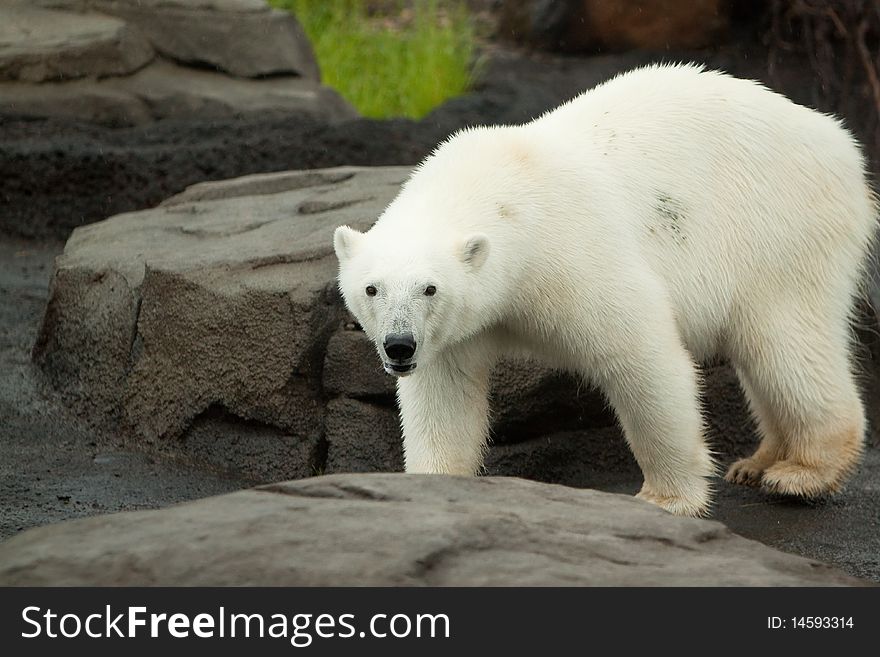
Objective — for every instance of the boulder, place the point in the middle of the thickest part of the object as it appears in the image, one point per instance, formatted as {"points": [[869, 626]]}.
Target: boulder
{"points": [[245, 38], [602, 25], [130, 62], [38, 45], [402, 530], [254, 451], [165, 90], [155, 316], [530, 400]]}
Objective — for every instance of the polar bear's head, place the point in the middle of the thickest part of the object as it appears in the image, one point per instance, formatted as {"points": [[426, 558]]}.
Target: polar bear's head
{"points": [[410, 293]]}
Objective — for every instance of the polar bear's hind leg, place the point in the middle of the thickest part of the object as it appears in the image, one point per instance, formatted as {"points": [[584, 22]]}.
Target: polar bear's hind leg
{"points": [[748, 471], [805, 387]]}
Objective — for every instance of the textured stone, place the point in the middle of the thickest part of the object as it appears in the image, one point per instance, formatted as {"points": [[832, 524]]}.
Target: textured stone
{"points": [[596, 457], [255, 450], [241, 37], [96, 60], [528, 400], [245, 40], [37, 45], [393, 530], [260, 184], [165, 90], [157, 316], [352, 368], [215, 5], [362, 437]]}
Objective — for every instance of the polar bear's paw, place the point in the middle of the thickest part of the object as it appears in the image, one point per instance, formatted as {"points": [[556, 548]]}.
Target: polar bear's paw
{"points": [[695, 505], [747, 472], [793, 478]]}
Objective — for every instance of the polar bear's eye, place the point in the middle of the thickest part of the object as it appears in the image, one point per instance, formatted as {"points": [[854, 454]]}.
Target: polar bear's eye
{"points": [[430, 291], [371, 291]]}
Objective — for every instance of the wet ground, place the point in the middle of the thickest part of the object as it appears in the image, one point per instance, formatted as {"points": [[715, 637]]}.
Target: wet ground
{"points": [[53, 467]]}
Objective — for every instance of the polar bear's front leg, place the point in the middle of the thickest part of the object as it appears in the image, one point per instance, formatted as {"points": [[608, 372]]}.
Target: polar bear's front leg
{"points": [[444, 412], [652, 384]]}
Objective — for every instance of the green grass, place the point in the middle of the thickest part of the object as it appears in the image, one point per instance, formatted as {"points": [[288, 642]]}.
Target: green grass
{"points": [[406, 69]]}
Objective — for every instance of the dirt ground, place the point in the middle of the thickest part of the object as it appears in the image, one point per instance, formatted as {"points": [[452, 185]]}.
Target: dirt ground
{"points": [[53, 467]]}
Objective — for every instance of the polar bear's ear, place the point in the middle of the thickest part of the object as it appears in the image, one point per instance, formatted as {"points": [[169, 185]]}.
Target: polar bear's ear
{"points": [[345, 240], [475, 251]]}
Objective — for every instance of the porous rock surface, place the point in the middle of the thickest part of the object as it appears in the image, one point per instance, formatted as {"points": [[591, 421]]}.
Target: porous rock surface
{"points": [[399, 530], [127, 62]]}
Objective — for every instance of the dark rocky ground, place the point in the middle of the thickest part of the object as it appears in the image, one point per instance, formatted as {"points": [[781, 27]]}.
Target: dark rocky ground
{"points": [[57, 175]]}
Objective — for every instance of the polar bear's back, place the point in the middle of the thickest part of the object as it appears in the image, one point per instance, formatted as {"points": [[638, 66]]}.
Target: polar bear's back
{"points": [[718, 184], [730, 149]]}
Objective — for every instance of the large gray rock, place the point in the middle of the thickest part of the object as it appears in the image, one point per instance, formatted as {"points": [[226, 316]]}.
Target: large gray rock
{"points": [[241, 37], [37, 45], [156, 316], [247, 39], [165, 90], [128, 62], [217, 5], [393, 530]]}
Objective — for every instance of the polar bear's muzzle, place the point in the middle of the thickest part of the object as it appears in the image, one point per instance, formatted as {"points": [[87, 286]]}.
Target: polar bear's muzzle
{"points": [[399, 349]]}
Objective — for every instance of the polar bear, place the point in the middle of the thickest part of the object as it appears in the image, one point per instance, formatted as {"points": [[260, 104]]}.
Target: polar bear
{"points": [[667, 216]]}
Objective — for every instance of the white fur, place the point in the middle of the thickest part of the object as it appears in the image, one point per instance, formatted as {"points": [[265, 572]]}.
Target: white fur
{"points": [[666, 216]]}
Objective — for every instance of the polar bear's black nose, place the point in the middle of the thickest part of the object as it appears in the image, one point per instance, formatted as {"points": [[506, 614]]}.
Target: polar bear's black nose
{"points": [[399, 346]]}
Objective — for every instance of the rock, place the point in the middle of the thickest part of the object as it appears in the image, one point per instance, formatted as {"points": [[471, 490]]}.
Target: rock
{"points": [[96, 60], [594, 458], [81, 99], [216, 5], [529, 400], [157, 316], [601, 25], [260, 184], [362, 437], [163, 90], [37, 45], [246, 39], [352, 368], [260, 452], [402, 530]]}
